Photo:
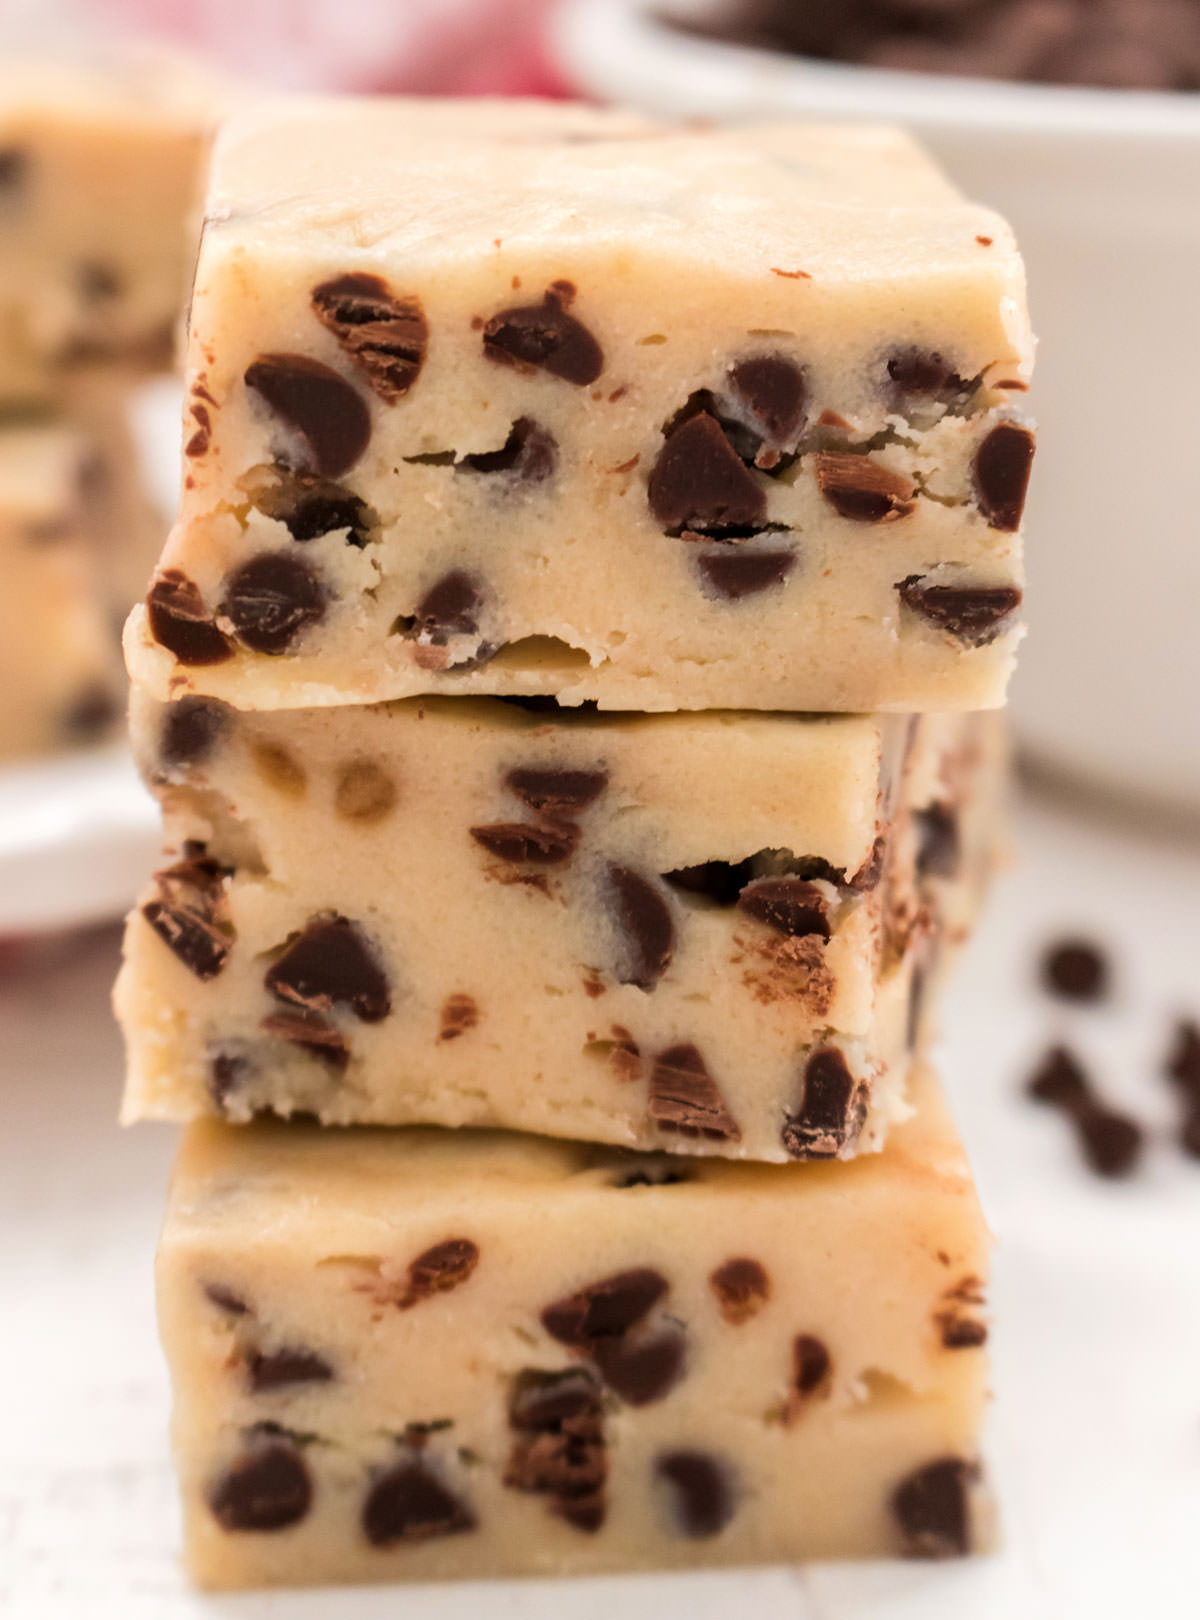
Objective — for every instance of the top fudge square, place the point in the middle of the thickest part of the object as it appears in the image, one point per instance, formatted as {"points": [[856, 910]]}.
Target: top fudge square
{"points": [[525, 399]]}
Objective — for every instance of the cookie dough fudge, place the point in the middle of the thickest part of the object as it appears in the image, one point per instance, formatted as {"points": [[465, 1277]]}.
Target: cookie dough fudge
{"points": [[540, 402], [423, 1354], [709, 933]]}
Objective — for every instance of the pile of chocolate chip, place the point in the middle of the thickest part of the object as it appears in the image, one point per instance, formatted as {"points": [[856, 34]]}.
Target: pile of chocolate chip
{"points": [[1114, 44]]}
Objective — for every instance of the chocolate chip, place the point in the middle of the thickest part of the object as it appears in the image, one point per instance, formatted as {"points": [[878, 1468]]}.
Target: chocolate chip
{"points": [[384, 333], [446, 1266], [14, 167], [309, 507], [1189, 1137], [604, 1309], [545, 337], [1112, 1143], [962, 1332], [789, 905], [772, 392], [460, 1013], [700, 483], [1059, 1080], [703, 1497], [731, 574], [685, 1099], [99, 283], [742, 1288], [645, 1371], [932, 1508], [975, 614], [647, 931], [811, 1364], [273, 599], [279, 768], [832, 1112], [330, 964], [226, 1300], [1076, 970], [450, 607], [329, 417], [869, 873], [529, 454], [925, 374], [1001, 473], [266, 1488], [364, 792], [179, 623], [556, 793], [939, 846], [190, 914], [191, 729], [719, 881], [311, 1031], [1183, 1060], [515, 841], [92, 713], [282, 1368], [558, 1447], [861, 489], [226, 1075], [408, 1503]]}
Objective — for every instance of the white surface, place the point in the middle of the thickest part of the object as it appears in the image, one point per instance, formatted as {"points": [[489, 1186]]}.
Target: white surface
{"points": [[1102, 188], [1095, 1442]]}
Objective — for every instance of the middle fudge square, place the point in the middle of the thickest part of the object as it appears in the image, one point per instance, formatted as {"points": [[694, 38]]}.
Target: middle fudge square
{"points": [[710, 933]]}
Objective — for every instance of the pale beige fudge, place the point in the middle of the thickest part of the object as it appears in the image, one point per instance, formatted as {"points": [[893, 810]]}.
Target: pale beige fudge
{"points": [[412, 1354], [100, 169], [704, 932], [539, 403]]}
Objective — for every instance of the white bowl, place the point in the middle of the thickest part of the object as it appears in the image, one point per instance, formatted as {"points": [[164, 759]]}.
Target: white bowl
{"points": [[1103, 188]]}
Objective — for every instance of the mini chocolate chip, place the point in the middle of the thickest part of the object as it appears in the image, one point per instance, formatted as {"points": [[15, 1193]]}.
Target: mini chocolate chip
{"points": [[731, 574], [311, 1031], [647, 931], [975, 614], [330, 964], [460, 1013], [266, 1488], [558, 1447], [1112, 1143], [191, 729], [811, 1364], [450, 607], [686, 1100], [190, 914], [645, 1371], [742, 1288], [281, 1368], [226, 1300], [273, 599], [408, 1503], [529, 453], [832, 1111], [939, 846], [364, 792], [962, 1332], [14, 167], [863, 490], [99, 283], [1060, 1080], [1001, 472], [545, 337], [604, 1309], [544, 1401], [540, 846], [384, 333], [772, 390], [789, 905], [179, 623], [925, 372], [932, 1508], [704, 1502], [330, 417], [226, 1075], [309, 507], [447, 1265], [1075, 969], [280, 769], [556, 793], [700, 483]]}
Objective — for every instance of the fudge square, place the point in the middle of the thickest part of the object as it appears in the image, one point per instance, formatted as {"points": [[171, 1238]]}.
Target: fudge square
{"points": [[712, 933], [531, 401], [419, 1353]]}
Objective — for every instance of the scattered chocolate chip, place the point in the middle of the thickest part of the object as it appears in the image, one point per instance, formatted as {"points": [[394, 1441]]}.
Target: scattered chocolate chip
{"points": [[190, 914], [178, 621], [861, 489], [916, 374], [460, 1013], [700, 483], [529, 454], [545, 337], [445, 1266], [933, 1509], [518, 842], [309, 507], [1076, 970], [384, 333], [732, 574], [811, 1364], [364, 792], [742, 1288], [312, 1031], [450, 607], [408, 1503], [282, 1368], [1059, 1080], [703, 1497], [685, 1099], [939, 844], [975, 614], [191, 729], [556, 793], [832, 1111], [773, 395], [1001, 473], [647, 931], [266, 1488], [605, 1309], [273, 599], [645, 1371], [329, 417], [330, 964], [1111, 1142], [226, 1300], [789, 905], [558, 1446]]}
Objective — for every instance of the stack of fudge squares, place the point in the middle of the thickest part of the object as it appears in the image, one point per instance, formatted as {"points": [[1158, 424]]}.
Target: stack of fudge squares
{"points": [[566, 691]]}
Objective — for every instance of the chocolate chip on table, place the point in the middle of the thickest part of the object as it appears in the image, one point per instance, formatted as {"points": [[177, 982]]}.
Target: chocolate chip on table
{"points": [[179, 622], [545, 337], [384, 333], [556, 793], [190, 914], [832, 1111], [272, 599], [939, 843], [605, 1309], [974, 614], [450, 607], [529, 454], [643, 1371], [364, 792], [311, 1031], [558, 1449], [330, 964], [282, 1368], [1001, 474], [325, 413], [789, 905], [742, 1288], [732, 573], [521, 842], [445, 1266], [701, 1489], [644, 922], [773, 394], [685, 1100], [460, 1013], [1076, 970], [932, 1507], [700, 483], [1060, 1080], [267, 1488], [408, 1503], [861, 489], [1111, 1142], [191, 729]]}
